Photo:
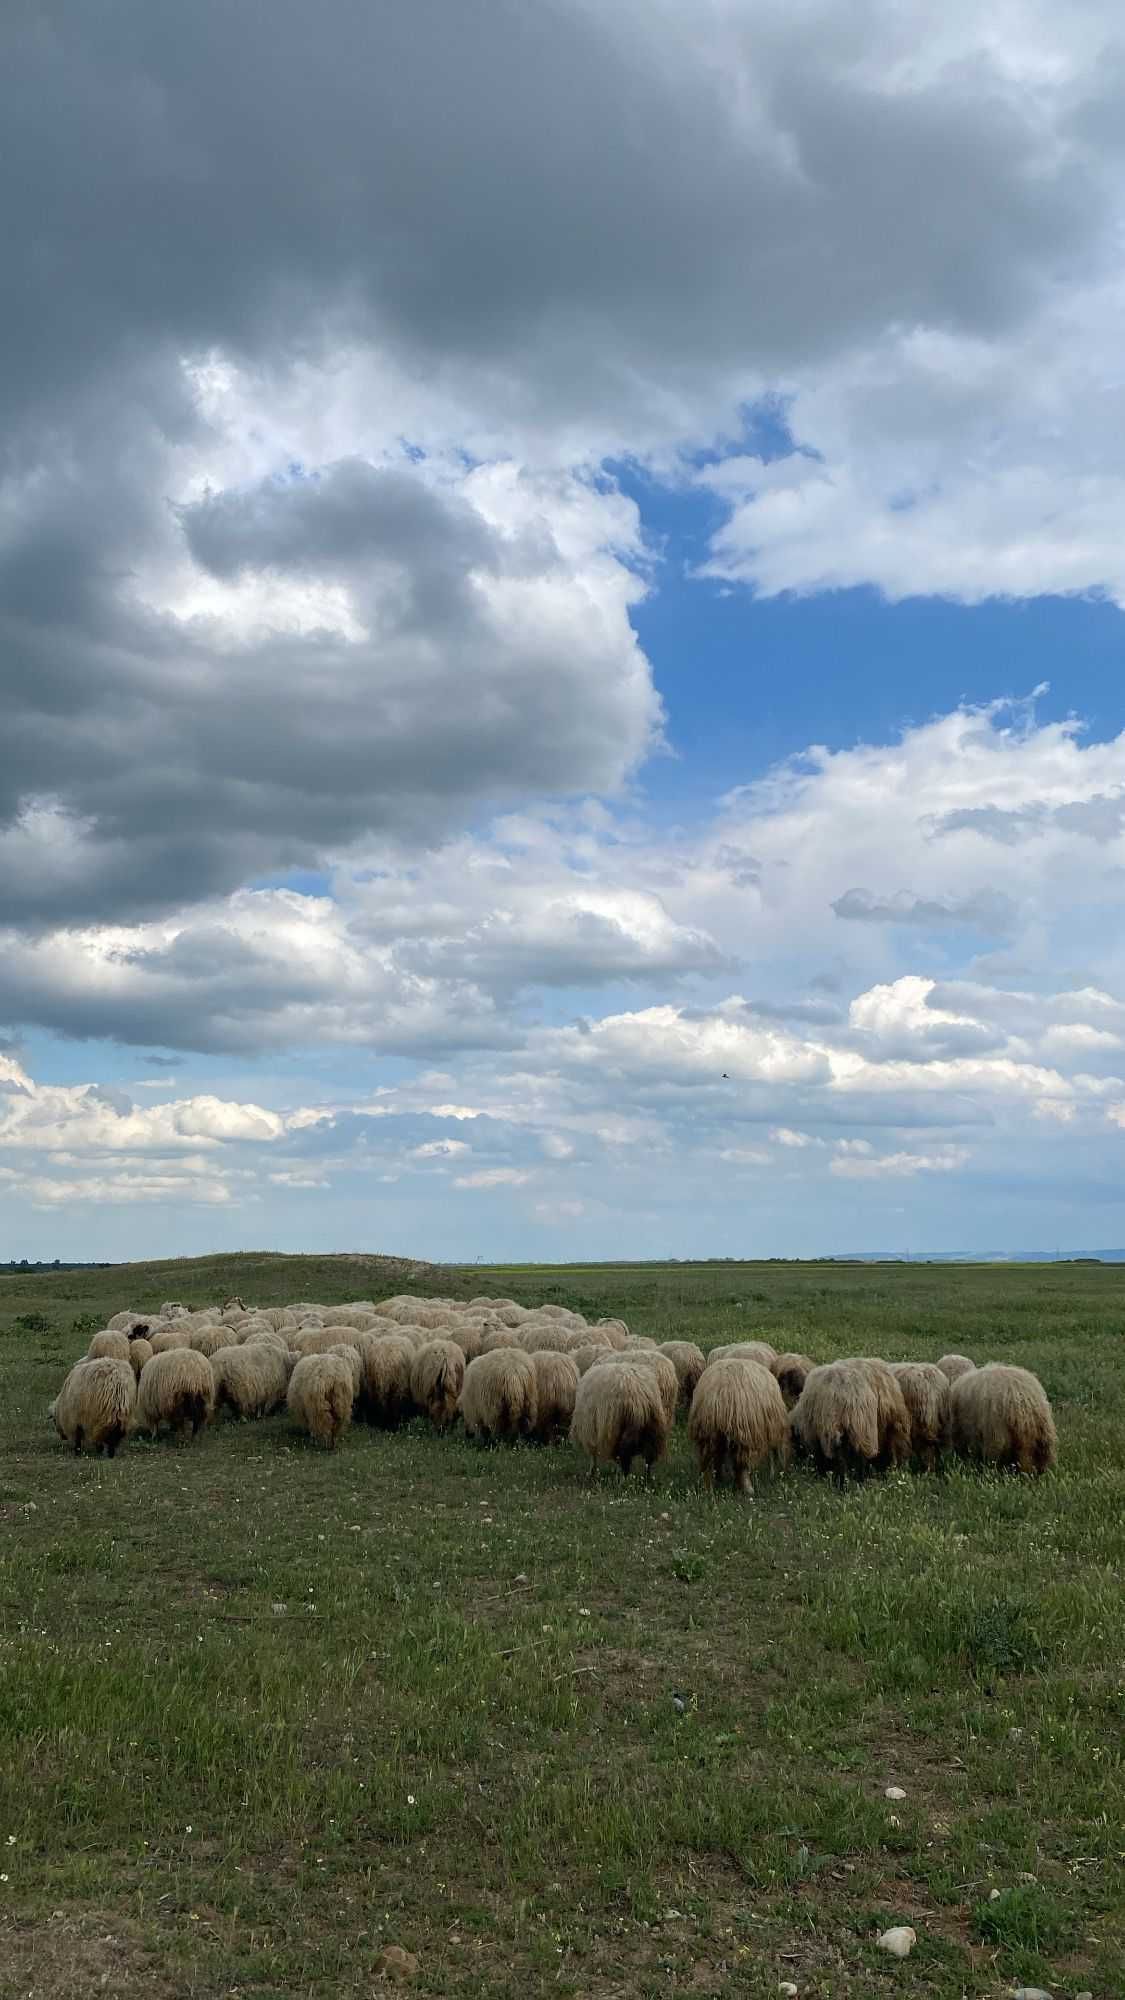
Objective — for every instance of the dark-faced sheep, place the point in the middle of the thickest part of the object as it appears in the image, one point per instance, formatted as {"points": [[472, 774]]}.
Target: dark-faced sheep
{"points": [[96, 1404], [737, 1419], [620, 1415], [556, 1384], [177, 1391], [500, 1397], [925, 1391], [953, 1366], [791, 1372], [436, 1380], [851, 1419], [321, 1394], [1001, 1416]]}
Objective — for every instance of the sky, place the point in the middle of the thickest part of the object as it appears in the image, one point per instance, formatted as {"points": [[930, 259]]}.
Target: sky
{"points": [[562, 616]]}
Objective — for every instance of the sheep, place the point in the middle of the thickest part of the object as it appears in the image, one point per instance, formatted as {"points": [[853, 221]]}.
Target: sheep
{"points": [[321, 1339], [387, 1364], [96, 1404], [122, 1321], [662, 1368], [265, 1336], [851, 1418], [320, 1396], [177, 1388], [737, 1417], [140, 1351], [170, 1337], [250, 1381], [620, 1415], [585, 1356], [109, 1345], [210, 1340], [953, 1366], [173, 1309], [926, 1392], [616, 1331], [354, 1359], [1001, 1416], [688, 1361], [468, 1337], [791, 1372], [502, 1338], [500, 1397], [745, 1350], [436, 1380], [279, 1317], [556, 1382]]}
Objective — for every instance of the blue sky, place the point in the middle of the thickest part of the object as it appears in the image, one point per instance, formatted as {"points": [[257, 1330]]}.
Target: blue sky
{"points": [[675, 803]]}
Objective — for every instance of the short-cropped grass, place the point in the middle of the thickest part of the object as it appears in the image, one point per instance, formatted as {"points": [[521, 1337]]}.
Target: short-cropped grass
{"points": [[266, 1710]]}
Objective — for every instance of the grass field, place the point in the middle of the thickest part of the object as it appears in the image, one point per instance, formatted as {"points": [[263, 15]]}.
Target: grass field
{"points": [[265, 1711]]}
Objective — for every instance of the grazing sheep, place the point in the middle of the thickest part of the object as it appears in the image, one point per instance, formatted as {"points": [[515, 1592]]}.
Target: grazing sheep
{"points": [[170, 1337], [174, 1309], [469, 1336], [502, 1338], [791, 1372], [140, 1351], [108, 1346], [615, 1331], [925, 1391], [851, 1418], [387, 1365], [279, 1317], [1001, 1416], [250, 1381], [177, 1388], [549, 1339], [651, 1358], [211, 1339], [689, 1361], [953, 1366], [500, 1397], [585, 1356], [737, 1418], [354, 1360], [122, 1321], [321, 1339], [320, 1396], [436, 1380], [264, 1336], [96, 1404], [745, 1350], [620, 1415], [556, 1382]]}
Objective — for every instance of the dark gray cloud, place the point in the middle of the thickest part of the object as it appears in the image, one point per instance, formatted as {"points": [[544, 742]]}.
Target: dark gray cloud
{"points": [[571, 218], [176, 762], [985, 910], [623, 193]]}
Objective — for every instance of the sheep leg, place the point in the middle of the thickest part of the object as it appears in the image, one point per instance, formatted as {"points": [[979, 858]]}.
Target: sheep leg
{"points": [[78, 1441]]}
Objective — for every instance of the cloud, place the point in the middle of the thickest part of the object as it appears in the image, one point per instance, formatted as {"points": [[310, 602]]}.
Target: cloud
{"points": [[985, 910], [474, 648], [492, 1177], [868, 1166]]}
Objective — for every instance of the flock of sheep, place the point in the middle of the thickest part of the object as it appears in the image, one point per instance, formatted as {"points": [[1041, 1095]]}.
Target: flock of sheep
{"points": [[512, 1372]]}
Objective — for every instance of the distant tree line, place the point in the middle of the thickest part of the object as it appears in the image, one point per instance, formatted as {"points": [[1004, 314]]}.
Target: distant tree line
{"points": [[56, 1264]]}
